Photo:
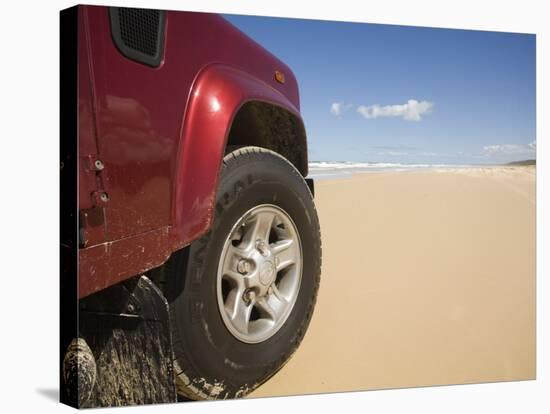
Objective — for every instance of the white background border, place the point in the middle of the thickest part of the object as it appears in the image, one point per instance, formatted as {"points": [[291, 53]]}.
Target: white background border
{"points": [[29, 97]]}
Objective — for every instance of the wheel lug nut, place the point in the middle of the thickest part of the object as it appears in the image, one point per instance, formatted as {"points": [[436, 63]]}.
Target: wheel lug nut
{"points": [[261, 247], [243, 266], [248, 296]]}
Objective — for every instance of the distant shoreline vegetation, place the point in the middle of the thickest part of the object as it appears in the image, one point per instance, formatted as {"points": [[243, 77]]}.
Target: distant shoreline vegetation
{"points": [[524, 162]]}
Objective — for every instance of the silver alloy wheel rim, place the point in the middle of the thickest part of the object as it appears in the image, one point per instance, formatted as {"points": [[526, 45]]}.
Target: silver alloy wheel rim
{"points": [[259, 273]]}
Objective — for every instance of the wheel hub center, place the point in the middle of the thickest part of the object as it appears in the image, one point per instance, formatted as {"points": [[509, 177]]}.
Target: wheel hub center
{"points": [[267, 273]]}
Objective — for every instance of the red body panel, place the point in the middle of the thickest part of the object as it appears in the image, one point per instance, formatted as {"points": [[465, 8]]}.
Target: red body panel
{"points": [[161, 134]]}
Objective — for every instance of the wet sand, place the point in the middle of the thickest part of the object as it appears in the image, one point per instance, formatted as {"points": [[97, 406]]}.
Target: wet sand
{"points": [[428, 278]]}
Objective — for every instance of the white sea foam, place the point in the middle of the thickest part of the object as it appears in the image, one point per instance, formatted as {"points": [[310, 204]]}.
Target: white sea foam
{"points": [[333, 169]]}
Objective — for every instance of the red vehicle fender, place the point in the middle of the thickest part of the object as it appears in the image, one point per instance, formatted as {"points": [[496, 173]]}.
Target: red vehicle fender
{"points": [[219, 91]]}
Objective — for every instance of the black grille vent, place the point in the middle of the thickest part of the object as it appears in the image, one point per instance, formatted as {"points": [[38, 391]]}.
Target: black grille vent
{"points": [[138, 33], [139, 29]]}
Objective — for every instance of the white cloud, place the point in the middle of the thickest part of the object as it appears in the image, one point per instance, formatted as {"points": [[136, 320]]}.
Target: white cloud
{"points": [[510, 149], [337, 108], [411, 111]]}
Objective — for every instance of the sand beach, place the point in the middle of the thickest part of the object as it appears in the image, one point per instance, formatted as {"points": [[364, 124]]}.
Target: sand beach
{"points": [[428, 278]]}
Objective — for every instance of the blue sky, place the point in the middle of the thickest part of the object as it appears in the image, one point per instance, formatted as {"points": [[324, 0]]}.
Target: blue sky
{"points": [[382, 93]]}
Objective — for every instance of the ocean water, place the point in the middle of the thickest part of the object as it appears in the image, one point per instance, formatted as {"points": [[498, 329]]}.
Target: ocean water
{"points": [[337, 169]]}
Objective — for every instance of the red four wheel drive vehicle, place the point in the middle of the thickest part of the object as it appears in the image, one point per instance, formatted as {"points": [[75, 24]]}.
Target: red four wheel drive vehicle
{"points": [[191, 166]]}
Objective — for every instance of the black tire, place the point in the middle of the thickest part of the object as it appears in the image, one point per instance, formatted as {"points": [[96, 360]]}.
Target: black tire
{"points": [[211, 363]]}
